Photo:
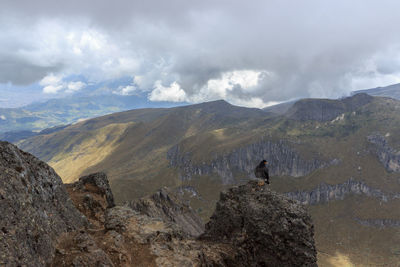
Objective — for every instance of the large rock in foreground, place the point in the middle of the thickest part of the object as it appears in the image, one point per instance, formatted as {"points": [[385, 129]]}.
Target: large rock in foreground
{"points": [[35, 209], [265, 228]]}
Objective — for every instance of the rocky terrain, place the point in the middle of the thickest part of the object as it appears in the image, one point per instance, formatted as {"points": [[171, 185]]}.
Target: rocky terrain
{"points": [[263, 227], [45, 223], [35, 209], [338, 156], [166, 205]]}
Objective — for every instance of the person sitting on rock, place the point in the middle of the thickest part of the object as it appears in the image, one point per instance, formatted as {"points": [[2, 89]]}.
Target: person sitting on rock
{"points": [[261, 171]]}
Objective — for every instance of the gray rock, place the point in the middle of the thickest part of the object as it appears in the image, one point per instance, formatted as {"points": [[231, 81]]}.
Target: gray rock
{"points": [[283, 159], [324, 192], [389, 157], [35, 209], [167, 206], [265, 228], [99, 180]]}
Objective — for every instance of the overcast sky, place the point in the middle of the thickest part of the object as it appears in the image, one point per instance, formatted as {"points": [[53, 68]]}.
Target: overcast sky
{"points": [[251, 53]]}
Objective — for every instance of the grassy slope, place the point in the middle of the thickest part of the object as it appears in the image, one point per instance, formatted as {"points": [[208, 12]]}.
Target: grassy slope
{"points": [[131, 147]]}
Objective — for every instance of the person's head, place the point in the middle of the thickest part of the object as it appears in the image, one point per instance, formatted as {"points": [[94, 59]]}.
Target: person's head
{"points": [[263, 163]]}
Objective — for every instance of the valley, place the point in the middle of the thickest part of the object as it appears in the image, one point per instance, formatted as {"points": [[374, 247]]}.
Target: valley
{"points": [[340, 158]]}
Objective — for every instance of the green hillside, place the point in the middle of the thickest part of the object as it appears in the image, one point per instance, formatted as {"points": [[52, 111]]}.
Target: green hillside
{"points": [[339, 156]]}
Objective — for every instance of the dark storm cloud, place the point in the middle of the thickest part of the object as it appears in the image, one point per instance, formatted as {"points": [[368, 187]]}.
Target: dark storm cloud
{"points": [[21, 72], [308, 48]]}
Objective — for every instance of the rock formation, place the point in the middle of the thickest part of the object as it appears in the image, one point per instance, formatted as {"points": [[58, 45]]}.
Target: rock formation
{"points": [[166, 205], [92, 195], [251, 226], [324, 193], [389, 157], [35, 209], [265, 228], [283, 158]]}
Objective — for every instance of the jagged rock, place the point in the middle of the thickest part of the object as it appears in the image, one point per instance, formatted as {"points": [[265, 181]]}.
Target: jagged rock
{"points": [[100, 181], [92, 195], [166, 205], [35, 209], [41, 227], [267, 229], [283, 159], [389, 157]]}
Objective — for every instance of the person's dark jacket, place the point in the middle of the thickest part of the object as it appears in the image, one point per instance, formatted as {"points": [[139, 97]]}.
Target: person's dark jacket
{"points": [[261, 171]]}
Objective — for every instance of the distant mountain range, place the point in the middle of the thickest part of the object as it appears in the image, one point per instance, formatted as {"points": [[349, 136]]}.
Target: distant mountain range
{"points": [[20, 123], [17, 123], [392, 91], [341, 157]]}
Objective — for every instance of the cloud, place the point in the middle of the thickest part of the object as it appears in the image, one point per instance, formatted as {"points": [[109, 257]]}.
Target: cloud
{"points": [[252, 53], [75, 86], [127, 90], [172, 93], [53, 84]]}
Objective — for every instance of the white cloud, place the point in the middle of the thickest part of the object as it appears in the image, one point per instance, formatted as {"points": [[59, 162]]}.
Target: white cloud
{"points": [[75, 86], [3, 117], [51, 79], [53, 84], [323, 51], [52, 89], [172, 93], [127, 90]]}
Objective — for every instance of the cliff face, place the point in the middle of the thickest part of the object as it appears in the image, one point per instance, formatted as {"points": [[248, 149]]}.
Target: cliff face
{"points": [[283, 160], [388, 156], [265, 228], [35, 209], [324, 193]]}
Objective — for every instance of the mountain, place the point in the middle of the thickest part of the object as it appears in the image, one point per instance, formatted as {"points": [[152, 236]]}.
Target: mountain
{"points": [[392, 91], [339, 157], [21, 122], [47, 223]]}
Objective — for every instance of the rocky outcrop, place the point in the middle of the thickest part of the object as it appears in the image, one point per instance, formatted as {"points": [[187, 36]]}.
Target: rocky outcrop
{"points": [[252, 226], [92, 195], [35, 209], [389, 157], [326, 109], [324, 193], [166, 205], [265, 228], [283, 159]]}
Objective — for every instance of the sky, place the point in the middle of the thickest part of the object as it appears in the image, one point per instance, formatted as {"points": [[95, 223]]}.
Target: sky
{"points": [[251, 53]]}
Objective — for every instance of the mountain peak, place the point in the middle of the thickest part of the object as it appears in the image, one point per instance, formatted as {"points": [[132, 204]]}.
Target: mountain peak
{"points": [[326, 109]]}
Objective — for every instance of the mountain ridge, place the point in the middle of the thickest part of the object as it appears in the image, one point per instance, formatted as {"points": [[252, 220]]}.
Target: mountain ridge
{"points": [[200, 152]]}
